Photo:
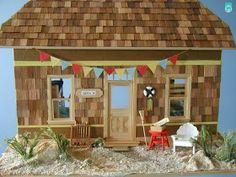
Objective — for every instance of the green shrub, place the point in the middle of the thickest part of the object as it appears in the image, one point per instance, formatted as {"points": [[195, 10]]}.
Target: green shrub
{"points": [[99, 142], [205, 141], [227, 151], [23, 145], [62, 142]]}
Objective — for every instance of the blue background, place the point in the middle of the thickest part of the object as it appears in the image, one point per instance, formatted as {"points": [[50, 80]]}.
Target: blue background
{"points": [[227, 114]]}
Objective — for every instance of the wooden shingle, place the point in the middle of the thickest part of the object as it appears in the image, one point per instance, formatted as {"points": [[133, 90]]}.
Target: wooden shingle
{"points": [[119, 23]]}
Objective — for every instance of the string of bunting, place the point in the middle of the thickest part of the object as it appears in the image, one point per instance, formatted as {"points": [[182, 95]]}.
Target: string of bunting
{"points": [[77, 68]]}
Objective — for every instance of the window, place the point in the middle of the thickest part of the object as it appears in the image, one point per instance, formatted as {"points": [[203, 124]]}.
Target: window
{"points": [[124, 77], [61, 99], [119, 97], [178, 90]]}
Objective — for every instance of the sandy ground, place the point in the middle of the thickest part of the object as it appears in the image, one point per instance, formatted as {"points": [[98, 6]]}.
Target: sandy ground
{"points": [[214, 173], [105, 162]]}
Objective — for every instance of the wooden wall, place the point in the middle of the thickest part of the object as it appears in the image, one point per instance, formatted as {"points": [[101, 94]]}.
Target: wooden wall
{"points": [[31, 86], [31, 89], [120, 55], [31, 92], [205, 92]]}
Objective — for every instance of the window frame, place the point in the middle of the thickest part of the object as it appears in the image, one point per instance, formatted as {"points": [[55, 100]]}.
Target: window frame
{"points": [[51, 119], [186, 97]]}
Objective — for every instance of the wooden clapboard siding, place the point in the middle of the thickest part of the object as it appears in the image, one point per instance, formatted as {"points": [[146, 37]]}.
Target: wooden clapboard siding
{"points": [[31, 92]]}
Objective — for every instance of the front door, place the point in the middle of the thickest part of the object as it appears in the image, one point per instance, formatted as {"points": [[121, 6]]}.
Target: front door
{"points": [[119, 125]]}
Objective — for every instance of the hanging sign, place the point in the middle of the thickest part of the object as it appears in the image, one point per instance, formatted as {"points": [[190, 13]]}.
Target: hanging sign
{"points": [[89, 93]]}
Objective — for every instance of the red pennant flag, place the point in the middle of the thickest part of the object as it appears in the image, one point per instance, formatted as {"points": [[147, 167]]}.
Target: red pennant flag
{"points": [[173, 59], [43, 56], [76, 68], [109, 70], [142, 69]]}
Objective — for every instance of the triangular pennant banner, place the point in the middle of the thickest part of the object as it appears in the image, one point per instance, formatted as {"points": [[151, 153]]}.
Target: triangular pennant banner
{"points": [[173, 59], [87, 70], [120, 72], [109, 70], [152, 67], [98, 71], [163, 63], [64, 64], [43, 56], [131, 71], [76, 68], [142, 69], [55, 61]]}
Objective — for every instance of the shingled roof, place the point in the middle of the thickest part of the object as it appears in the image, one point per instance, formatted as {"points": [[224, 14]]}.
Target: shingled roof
{"points": [[116, 23]]}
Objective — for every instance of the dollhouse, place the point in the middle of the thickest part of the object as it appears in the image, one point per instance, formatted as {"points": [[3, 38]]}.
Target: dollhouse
{"points": [[108, 53]]}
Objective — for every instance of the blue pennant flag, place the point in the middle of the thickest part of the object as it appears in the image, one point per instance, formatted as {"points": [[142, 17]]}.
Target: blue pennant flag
{"points": [[97, 71], [131, 71], [163, 63], [65, 64]]}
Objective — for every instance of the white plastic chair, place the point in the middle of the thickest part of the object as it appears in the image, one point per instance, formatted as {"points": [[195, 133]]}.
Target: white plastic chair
{"points": [[184, 136]]}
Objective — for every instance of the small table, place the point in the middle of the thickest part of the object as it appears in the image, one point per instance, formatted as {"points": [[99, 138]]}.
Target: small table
{"points": [[159, 137]]}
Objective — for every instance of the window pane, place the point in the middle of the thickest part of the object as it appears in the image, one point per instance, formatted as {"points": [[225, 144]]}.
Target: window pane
{"points": [[110, 77], [116, 77], [177, 87], [176, 107], [60, 87], [61, 108], [130, 77], [124, 77], [120, 97], [179, 81]]}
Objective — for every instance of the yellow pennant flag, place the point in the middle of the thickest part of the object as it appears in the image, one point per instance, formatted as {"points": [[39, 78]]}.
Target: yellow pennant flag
{"points": [[55, 61], [152, 67], [87, 70], [120, 72]]}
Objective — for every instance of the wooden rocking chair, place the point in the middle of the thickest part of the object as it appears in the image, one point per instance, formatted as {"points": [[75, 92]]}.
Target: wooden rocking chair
{"points": [[79, 135]]}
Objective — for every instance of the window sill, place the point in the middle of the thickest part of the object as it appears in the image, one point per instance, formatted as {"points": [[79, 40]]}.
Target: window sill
{"points": [[61, 122], [178, 119]]}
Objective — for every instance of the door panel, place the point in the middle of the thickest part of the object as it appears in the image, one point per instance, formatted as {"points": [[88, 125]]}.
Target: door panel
{"points": [[119, 111]]}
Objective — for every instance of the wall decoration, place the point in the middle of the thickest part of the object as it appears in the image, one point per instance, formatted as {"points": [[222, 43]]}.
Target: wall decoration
{"points": [[120, 72], [43, 56], [89, 93], [142, 69], [163, 63], [98, 71], [87, 70], [131, 71], [76, 68], [152, 67], [55, 61], [65, 64], [173, 59], [109, 70], [149, 92]]}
